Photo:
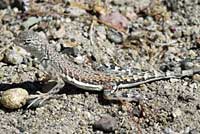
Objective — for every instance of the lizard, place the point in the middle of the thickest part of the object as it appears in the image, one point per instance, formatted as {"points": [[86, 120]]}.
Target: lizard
{"points": [[64, 71]]}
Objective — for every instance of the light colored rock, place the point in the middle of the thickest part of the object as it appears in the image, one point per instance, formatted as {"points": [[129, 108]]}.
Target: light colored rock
{"points": [[14, 98], [15, 56], [177, 113]]}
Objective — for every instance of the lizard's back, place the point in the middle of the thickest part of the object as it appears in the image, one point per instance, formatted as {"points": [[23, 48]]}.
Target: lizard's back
{"points": [[39, 47]]}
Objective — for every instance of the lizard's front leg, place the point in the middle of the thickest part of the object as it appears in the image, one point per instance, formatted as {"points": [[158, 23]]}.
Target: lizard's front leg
{"points": [[52, 87]]}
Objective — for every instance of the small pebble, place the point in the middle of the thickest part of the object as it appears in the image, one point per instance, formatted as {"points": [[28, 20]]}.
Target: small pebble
{"points": [[30, 22], [73, 11], [13, 57], [169, 131], [14, 98], [114, 37], [187, 65], [70, 51], [177, 113], [79, 59], [106, 123], [196, 77]]}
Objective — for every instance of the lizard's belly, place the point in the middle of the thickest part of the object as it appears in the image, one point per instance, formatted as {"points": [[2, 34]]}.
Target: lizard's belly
{"points": [[83, 85]]}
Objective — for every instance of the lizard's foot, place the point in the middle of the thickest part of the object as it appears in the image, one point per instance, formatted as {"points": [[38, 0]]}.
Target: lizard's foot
{"points": [[38, 99]]}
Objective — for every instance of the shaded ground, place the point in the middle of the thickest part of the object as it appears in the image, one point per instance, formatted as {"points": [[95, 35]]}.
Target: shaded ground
{"points": [[159, 34]]}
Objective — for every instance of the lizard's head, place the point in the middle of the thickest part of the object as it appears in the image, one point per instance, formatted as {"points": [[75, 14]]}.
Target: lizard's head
{"points": [[32, 42]]}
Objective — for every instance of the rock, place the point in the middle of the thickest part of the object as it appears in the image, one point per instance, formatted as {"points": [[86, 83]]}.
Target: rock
{"points": [[14, 98], [114, 37], [106, 123], [115, 19], [16, 55], [74, 11], [196, 77], [13, 57], [177, 113], [30, 22], [186, 65], [131, 15], [80, 59], [169, 131], [70, 51]]}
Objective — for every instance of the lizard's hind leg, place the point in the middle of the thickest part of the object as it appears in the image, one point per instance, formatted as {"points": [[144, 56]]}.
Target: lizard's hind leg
{"points": [[121, 95]]}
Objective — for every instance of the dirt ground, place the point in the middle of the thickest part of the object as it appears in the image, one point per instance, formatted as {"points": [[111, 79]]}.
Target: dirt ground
{"points": [[115, 35]]}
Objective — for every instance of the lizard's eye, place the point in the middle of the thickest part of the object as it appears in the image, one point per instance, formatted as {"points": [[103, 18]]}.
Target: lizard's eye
{"points": [[27, 41]]}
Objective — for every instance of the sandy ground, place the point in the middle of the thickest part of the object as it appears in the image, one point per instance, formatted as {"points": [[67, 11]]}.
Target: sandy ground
{"points": [[160, 34]]}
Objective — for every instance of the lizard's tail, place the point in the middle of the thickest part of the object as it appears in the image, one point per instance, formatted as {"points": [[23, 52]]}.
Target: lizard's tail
{"points": [[165, 76]]}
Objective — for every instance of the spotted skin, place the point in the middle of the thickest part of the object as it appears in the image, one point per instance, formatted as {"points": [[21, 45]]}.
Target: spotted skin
{"points": [[58, 65]]}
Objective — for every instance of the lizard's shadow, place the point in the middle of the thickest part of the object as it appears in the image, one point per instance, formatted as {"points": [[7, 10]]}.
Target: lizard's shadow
{"points": [[68, 89], [30, 86], [33, 87]]}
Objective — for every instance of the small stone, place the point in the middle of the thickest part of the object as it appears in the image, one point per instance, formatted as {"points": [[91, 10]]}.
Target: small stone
{"points": [[58, 47], [115, 19], [169, 131], [74, 11], [70, 51], [14, 98], [196, 77], [16, 55], [106, 123], [114, 37], [130, 14], [87, 94], [186, 130], [13, 57], [192, 53], [80, 59], [177, 112], [187, 65], [30, 22], [88, 116], [173, 80]]}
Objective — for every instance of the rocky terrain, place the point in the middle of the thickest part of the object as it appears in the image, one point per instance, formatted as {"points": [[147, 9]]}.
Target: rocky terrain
{"points": [[115, 35]]}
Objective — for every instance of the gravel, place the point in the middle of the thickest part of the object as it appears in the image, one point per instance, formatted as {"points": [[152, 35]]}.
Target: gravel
{"points": [[162, 35]]}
